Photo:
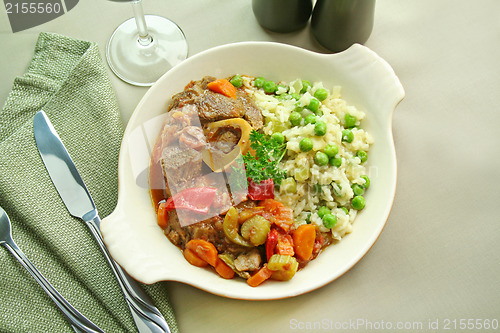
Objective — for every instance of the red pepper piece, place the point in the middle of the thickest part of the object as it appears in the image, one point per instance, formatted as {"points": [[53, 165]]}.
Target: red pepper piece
{"points": [[195, 199], [271, 242], [262, 190]]}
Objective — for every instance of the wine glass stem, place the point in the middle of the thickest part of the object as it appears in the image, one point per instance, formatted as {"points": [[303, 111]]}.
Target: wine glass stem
{"points": [[144, 37]]}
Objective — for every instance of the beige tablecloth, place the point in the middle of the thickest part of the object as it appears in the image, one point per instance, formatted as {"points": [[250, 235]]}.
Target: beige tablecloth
{"points": [[437, 262]]}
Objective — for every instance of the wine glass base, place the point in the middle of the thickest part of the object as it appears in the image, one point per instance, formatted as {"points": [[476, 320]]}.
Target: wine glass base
{"points": [[141, 65]]}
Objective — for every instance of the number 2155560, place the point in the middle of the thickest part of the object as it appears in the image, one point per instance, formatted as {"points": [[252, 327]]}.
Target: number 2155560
{"points": [[470, 324], [32, 8]]}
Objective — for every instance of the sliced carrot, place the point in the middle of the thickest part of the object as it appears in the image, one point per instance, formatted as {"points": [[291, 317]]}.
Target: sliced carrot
{"points": [[223, 86], [262, 275], [193, 259], [223, 269], [203, 249], [303, 239], [162, 215]]}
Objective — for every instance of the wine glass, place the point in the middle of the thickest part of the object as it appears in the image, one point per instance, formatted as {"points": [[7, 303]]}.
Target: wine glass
{"points": [[144, 47]]}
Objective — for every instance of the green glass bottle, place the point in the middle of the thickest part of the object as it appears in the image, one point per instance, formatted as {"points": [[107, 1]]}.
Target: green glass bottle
{"points": [[282, 15], [337, 24]]}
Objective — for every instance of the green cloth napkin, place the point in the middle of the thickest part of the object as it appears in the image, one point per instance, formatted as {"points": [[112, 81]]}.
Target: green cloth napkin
{"points": [[68, 79]]}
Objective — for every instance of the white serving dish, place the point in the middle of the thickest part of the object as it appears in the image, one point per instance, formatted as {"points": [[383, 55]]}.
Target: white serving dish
{"points": [[368, 82]]}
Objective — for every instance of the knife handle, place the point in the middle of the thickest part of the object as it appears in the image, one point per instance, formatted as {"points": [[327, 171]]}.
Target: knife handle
{"points": [[146, 316]]}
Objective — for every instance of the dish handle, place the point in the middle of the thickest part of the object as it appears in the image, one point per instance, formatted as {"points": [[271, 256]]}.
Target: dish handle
{"points": [[132, 254], [364, 65]]}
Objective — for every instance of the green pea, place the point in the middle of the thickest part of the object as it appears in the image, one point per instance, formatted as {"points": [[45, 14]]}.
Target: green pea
{"points": [[349, 120], [358, 202], [295, 96], [329, 221], [363, 155], [323, 210], [358, 189], [320, 158], [278, 137], [237, 81], [314, 105], [305, 85], [331, 150], [310, 119], [320, 128], [346, 211], [336, 161], [259, 82], [321, 94], [347, 135], [366, 185], [269, 87], [306, 145], [295, 118]]}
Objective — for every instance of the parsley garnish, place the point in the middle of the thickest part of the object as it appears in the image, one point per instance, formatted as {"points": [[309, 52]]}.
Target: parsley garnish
{"points": [[268, 154]]}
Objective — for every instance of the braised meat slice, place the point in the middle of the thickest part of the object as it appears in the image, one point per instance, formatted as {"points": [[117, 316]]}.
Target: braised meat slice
{"points": [[180, 165], [175, 121], [179, 148], [191, 93], [214, 106], [192, 137], [252, 111], [249, 261]]}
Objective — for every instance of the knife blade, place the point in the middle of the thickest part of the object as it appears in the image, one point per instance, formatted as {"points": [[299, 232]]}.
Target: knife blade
{"points": [[79, 203]]}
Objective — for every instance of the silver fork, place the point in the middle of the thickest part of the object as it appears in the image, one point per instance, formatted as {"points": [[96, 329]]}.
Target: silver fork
{"points": [[79, 322]]}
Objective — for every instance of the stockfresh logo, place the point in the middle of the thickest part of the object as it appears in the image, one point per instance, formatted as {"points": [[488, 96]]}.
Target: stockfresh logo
{"points": [[25, 14]]}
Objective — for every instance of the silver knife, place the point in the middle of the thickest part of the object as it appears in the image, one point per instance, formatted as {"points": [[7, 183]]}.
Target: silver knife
{"points": [[79, 203]]}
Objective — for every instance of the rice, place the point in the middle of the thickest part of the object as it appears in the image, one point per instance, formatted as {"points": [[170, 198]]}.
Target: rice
{"points": [[315, 185]]}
